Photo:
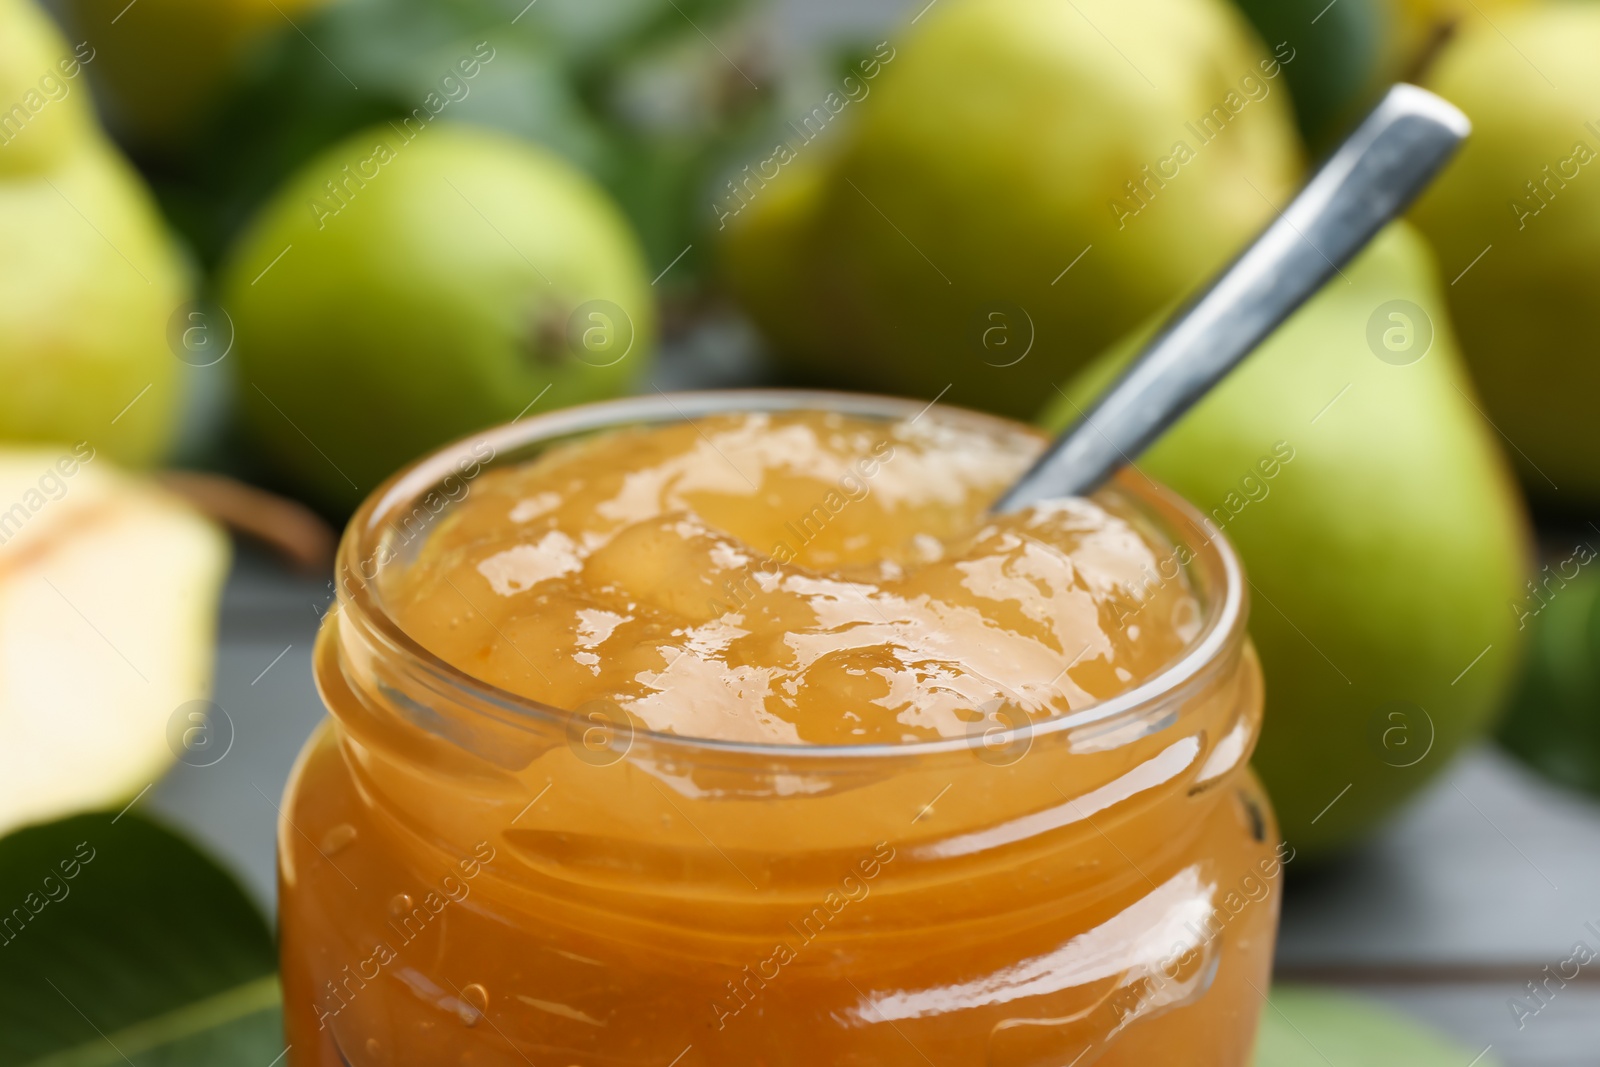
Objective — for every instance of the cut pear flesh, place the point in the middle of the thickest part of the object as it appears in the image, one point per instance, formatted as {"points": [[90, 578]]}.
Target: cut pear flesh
{"points": [[108, 604]]}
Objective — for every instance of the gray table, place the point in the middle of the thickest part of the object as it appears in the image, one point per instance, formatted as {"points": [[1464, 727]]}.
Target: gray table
{"points": [[1490, 876]]}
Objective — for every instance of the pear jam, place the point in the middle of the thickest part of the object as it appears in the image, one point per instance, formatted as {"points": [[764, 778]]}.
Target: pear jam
{"points": [[754, 738], [791, 579]]}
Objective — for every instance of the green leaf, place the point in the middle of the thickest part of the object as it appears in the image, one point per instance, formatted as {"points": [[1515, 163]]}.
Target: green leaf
{"points": [[118, 939], [1306, 1027], [558, 69], [1334, 74], [1553, 723]]}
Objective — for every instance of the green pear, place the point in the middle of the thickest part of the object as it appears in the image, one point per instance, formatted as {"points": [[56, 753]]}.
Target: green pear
{"points": [[1357, 49], [89, 280], [108, 601], [415, 283], [90, 283], [1380, 529], [1009, 190], [1418, 25], [45, 111], [1516, 222]]}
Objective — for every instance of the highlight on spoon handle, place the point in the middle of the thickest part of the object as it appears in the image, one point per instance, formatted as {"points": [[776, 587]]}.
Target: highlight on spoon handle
{"points": [[1370, 179]]}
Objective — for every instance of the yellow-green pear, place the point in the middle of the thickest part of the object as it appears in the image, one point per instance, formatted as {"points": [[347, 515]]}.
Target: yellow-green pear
{"points": [[89, 279], [167, 62], [411, 285], [45, 110], [1516, 222], [108, 599], [1380, 529], [1006, 189], [1416, 26]]}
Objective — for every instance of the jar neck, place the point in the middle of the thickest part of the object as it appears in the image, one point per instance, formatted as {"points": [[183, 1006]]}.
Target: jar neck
{"points": [[644, 817]]}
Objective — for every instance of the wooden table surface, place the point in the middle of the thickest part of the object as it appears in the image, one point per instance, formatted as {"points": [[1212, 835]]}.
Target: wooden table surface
{"points": [[1467, 896]]}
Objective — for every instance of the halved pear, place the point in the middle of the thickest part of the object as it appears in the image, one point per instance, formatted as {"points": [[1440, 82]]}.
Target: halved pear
{"points": [[108, 604]]}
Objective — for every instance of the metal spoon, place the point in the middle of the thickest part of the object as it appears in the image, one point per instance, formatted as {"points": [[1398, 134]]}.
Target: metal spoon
{"points": [[1372, 177]]}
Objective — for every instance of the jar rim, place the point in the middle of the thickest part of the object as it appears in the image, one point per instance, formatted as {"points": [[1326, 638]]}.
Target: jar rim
{"points": [[1225, 611]]}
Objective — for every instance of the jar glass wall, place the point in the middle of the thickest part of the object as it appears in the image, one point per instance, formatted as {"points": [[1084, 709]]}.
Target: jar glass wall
{"points": [[470, 877]]}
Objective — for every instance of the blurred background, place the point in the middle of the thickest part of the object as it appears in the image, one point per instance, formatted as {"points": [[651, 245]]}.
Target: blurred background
{"points": [[258, 254]]}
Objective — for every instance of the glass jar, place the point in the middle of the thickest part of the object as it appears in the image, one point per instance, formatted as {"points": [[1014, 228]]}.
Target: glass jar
{"points": [[471, 877]]}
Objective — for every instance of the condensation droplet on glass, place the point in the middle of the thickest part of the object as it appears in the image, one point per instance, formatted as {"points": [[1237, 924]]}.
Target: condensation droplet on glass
{"points": [[476, 999], [476, 995], [338, 838], [400, 904], [374, 1048]]}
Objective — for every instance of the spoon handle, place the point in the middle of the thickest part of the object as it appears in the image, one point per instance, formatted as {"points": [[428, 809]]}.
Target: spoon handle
{"points": [[1372, 177]]}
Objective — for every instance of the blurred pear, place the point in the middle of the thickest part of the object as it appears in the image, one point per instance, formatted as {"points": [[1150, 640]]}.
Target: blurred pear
{"points": [[89, 279], [163, 63], [1350, 52], [1381, 532], [1418, 26], [407, 287], [45, 110], [1516, 221], [1020, 182]]}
